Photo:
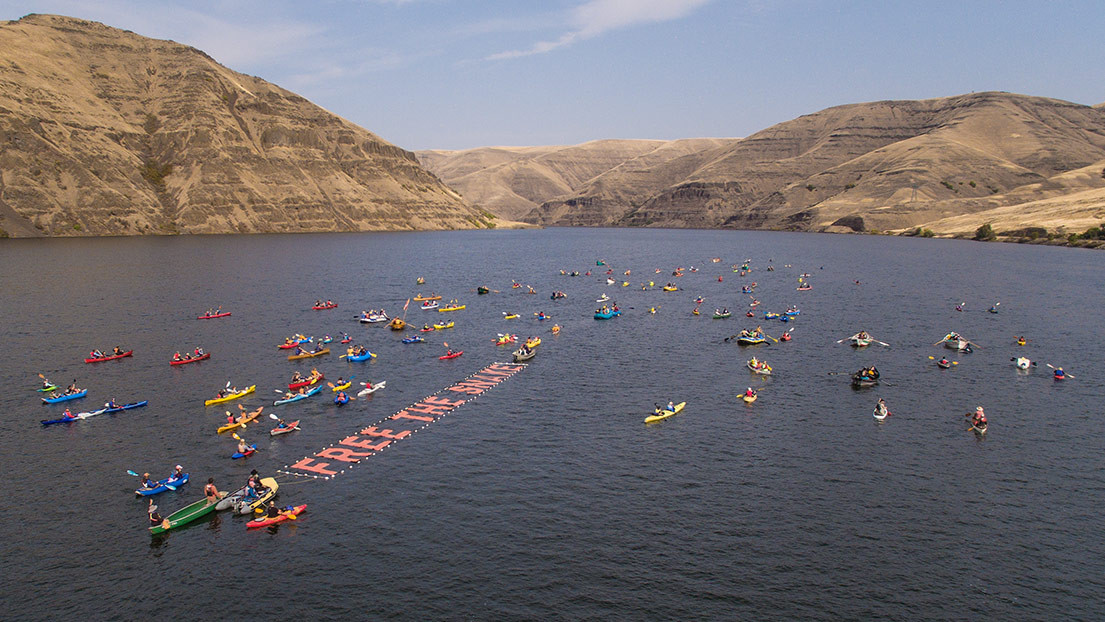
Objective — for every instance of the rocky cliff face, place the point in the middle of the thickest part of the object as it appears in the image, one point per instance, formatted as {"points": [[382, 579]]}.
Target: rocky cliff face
{"points": [[949, 164], [104, 132]]}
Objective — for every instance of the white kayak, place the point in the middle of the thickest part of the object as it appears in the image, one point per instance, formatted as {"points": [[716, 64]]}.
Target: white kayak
{"points": [[1022, 362], [879, 415], [369, 390]]}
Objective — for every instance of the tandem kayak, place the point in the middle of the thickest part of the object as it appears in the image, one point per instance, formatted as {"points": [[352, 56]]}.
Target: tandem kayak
{"points": [[211, 317], [240, 422], [665, 413], [279, 518], [451, 308], [202, 357], [240, 454], [415, 339], [306, 383], [169, 483], [296, 398], [66, 397], [230, 396], [111, 357], [242, 505], [184, 516], [451, 355], [107, 409], [369, 390], [325, 307], [288, 427], [307, 355]]}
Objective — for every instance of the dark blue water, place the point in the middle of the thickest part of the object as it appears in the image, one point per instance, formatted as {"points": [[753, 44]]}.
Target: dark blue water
{"points": [[547, 497]]}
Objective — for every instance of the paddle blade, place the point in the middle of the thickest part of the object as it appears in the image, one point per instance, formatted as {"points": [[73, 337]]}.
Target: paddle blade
{"points": [[170, 487], [290, 516], [274, 417], [235, 435], [129, 472]]}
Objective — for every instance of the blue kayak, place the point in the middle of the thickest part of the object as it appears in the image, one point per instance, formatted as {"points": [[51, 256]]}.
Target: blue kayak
{"points": [[163, 485], [65, 398], [606, 316], [125, 407], [62, 420], [301, 396], [238, 454], [360, 357], [415, 339], [341, 400]]}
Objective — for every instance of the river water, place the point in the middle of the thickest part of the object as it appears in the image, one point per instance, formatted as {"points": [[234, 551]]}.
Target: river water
{"points": [[547, 497]]}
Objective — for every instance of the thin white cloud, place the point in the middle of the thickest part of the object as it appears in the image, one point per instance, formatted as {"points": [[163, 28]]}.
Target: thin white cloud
{"points": [[597, 17]]}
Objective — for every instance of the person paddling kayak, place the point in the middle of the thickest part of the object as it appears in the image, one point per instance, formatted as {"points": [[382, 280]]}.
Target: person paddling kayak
{"points": [[978, 419]]}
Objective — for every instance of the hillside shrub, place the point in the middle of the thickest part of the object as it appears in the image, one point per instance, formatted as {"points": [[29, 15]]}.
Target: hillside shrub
{"points": [[985, 232]]}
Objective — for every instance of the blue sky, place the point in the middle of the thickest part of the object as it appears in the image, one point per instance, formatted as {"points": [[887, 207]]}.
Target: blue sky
{"points": [[455, 74]]}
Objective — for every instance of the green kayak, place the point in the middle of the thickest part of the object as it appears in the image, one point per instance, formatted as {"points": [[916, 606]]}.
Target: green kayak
{"points": [[185, 515]]}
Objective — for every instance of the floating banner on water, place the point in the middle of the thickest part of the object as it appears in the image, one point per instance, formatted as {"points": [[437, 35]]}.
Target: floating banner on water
{"points": [[341, 456]]}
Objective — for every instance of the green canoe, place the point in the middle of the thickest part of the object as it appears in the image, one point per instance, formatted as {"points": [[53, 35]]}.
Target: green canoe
{"points": [[185, 515]]}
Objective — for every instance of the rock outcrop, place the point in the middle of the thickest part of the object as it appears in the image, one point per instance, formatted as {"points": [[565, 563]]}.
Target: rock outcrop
{"points": [[105, 132]]}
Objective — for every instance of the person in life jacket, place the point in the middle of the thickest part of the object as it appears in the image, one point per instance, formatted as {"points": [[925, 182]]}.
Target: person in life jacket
{"points": [[1059, 373]]}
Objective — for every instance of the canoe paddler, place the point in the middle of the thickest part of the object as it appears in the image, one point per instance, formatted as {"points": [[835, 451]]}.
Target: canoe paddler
{"points": [[210, 492], [155, 518]]}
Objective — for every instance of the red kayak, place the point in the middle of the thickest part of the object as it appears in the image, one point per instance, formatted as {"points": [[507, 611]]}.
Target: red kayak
{"points": [[205, 355], [325, 307], [306, 383], [346, 340], [283, 516], [211, 317], [288, 427], [451, 355], [110, 358]]}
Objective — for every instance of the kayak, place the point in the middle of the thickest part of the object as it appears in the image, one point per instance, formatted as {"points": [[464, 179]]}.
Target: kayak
{"points": [[451, 308], [66, 397], [325, 307], [481, 290], [110, 357], [342, 387], [397, 324], [288, 427], [374, 318], [763, 368], [240, 422], [748, 399], [184, 516], [211, 317], [444, 325], [422, 298], [520, 356], [879, 415], [306, 383], [722, 316], [977, 430], [1022, 362], [346, 340], [163, 485], [665, 413], [204, 356], [249, 452], [268, 490], [429, 305], [427, 329], [341, 400], [600, 315], [750, 341], [505, 340], [279, 518], [671, 289], [48, 388], [533, 342], [292, 344], [295, 357], [451, 355], [369, 390], [112, 410], [942, 364], [415, 339], [230, 396], [326, 340], [296, 398]]}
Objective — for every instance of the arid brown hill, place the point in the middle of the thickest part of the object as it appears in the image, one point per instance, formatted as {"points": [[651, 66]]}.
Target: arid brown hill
{"points": [[105, 132], [949, 164]]}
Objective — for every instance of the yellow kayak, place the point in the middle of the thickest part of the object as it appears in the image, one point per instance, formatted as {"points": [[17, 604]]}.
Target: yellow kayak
{"points": [[670, 289], [452, 308], [533, 342], [665, 413], [748, 399], [443, 325], [232, 396], [295, 357], [241, 421], [510, 316], [342, 387]]}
